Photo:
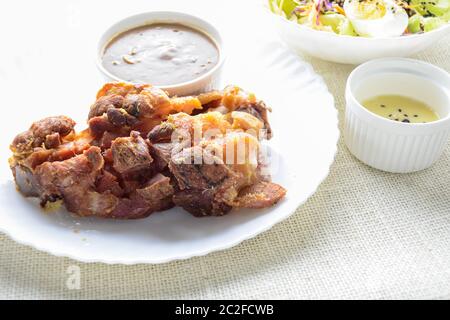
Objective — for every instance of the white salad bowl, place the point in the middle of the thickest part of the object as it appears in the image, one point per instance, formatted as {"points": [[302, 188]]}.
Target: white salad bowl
{"points": [[203, 83], [348, 49]]}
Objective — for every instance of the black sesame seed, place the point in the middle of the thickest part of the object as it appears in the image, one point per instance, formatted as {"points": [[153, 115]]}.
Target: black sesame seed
{"points": [[382, 105], [415, 116], [396, 120], [390, 115], [406, 115], [399, 110], [405, 121]]}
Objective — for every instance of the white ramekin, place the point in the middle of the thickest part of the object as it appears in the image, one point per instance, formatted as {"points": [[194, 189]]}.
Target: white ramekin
{"points": [[206, 82], [389, 145]]}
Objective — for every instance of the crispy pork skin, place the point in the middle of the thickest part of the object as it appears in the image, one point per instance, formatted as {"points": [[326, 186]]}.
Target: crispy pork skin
{"points": [[260, 195]]}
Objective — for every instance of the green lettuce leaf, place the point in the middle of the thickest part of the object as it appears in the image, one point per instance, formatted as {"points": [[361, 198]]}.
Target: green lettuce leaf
{"points": [[414, 23], [338, 23], [432, 23], [436, 7], [282, 7]]}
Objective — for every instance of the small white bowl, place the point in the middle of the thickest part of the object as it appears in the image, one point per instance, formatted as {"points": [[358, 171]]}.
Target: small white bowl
{"points": [[352, 50], [389, 145], [205, 82]]}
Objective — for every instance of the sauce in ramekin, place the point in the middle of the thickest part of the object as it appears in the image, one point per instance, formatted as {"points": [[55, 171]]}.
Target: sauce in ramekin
{"points": [[400, 108], [161, 54]]}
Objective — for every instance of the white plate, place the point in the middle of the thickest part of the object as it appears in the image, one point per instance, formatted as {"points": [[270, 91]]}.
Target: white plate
{"points": [[305, 136]]}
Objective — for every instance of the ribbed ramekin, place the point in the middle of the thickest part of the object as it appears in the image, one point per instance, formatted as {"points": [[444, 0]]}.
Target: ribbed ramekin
{"points": [[389, 145]]}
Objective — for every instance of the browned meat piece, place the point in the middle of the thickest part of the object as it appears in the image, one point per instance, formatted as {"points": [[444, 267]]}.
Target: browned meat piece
{"points": [[108, 182], [139, 105], [43, 132], [161, 133], [115, 121], [101, 124], [200, 203], [48, 126], [25, 181], [123, 107], [259, 110], [120, 88], [103, 104], [39, 156], [50, 139], [120, 118], [74, 180], [159, 101], [107, 138], [207, 185], [197, 176], [209, 98], [88, 190], [236, 99], [206, 189], [130, 154], [161, 154], [260, 195], [156, 195], [151, 102]]}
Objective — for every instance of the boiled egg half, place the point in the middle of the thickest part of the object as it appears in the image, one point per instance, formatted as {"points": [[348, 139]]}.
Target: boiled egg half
{"points": [[376, 18]]}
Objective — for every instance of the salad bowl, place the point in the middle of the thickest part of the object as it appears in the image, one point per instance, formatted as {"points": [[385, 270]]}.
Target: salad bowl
{"points": [[349, 49]]}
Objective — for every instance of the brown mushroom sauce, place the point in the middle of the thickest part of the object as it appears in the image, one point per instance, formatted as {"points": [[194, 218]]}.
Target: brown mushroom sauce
{"points": [[161, 54]]}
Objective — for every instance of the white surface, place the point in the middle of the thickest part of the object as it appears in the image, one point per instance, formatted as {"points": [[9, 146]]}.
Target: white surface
{"points": [[54, 73], [206, 82], [351, 50], [395, 146]]}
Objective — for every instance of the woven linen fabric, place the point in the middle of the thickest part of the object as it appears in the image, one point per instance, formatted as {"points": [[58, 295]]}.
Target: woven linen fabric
{"points": [[365, 234]]}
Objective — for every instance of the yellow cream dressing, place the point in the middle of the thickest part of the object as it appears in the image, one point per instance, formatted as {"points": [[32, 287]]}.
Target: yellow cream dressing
{"points": [[400, 108]]}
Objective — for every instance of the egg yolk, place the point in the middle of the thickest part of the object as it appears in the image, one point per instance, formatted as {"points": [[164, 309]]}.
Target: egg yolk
{"points": [[369, 9]]}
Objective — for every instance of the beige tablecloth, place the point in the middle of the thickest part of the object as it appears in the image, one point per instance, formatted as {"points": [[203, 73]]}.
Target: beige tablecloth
{"points": [[364, 234]]}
